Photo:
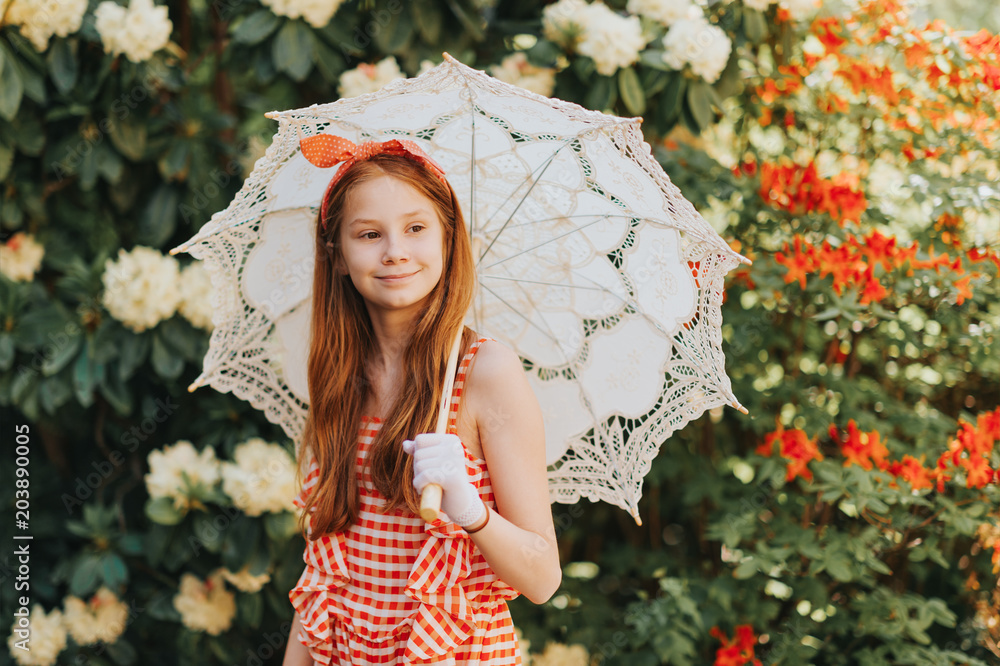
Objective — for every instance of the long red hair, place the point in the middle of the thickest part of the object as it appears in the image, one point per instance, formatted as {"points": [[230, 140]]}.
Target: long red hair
{"points": [[342, 347]]}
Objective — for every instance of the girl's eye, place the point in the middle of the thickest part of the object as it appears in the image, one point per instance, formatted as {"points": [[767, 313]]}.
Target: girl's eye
{"points": [[366, 234]]}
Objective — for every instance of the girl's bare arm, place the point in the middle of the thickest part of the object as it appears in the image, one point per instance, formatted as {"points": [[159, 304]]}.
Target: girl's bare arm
{"points": [[519, 545], [296, 654]]}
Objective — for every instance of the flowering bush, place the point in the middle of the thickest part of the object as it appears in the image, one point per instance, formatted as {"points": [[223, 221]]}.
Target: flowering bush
{"points": [[850, 517]]}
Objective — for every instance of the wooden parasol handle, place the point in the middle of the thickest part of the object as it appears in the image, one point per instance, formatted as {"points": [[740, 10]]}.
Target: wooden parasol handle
{"points": [[430, 498]]}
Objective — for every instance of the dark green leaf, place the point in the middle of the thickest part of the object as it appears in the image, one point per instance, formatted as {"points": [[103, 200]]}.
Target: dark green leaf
{"points": [[63, 64], [40, 325], [159, 218], [631, 91], [85, 377], [106, 340], [251, 608], [839, 566], [114, 571], [54, 392], [754, 25], [109, 163], [166, 361], [61, 351], [174, 165], [256, 27], [122, 652], [329, 63], [11, 85], [280, 526], [469, 20], [207, 532], [155, 543], [128, 135], [116, 392], [699, 98], [746, 569], [6, 160], [427, 16], [239, 542], [599, 95], [134, 349], [654, 58], [161, 510], [394, 35], [6, 350], [670, 100], [292, 50], [84, 579], [130, 544]]}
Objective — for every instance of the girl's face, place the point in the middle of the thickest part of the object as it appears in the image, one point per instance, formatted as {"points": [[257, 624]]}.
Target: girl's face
{"points": [[389, 229]]}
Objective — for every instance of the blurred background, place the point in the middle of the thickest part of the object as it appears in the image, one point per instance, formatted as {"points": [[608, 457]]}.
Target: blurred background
{"points": [[848, 148]]}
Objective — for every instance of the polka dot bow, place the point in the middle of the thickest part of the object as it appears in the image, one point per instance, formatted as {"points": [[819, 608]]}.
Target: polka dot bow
{"points": [[327, 150]]}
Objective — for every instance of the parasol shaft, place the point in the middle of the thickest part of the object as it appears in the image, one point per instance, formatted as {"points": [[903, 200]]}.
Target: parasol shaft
{"points": [[430, 498]]}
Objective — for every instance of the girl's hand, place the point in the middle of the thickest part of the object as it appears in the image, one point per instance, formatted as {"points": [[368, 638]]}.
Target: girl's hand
{"points": [[440, 458]]}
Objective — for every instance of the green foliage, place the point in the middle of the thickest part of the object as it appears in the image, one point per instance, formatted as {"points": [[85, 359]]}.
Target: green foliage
{"points": [[846, 566]]}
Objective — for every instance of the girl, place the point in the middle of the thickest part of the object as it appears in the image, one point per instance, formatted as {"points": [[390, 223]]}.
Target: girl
{"points": [[394, 277]]}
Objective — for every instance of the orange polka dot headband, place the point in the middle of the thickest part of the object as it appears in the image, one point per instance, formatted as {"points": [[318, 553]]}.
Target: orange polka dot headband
{"points": [[327, 150]]}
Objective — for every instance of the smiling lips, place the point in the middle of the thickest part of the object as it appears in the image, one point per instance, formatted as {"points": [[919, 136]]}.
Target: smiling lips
{"points": [[397, 277]]}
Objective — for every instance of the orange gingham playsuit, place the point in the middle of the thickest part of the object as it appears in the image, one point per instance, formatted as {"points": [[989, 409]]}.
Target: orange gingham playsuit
{"points": [[393, 589]]}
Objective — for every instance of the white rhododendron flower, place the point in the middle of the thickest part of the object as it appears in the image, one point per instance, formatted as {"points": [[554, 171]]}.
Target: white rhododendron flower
{"points": [[694, 41], [47, 638], [611, 40], [664, 11], [516, 69], [366, 78], [760, 5], [262, 479], [21, 257], [317, 13], [138, 31], [243, 581], [38, 20], [196, 295], [205, 605], [425, 66], [141, 287], [800, 10], [562, 22], [103, 618], [165, 478]]}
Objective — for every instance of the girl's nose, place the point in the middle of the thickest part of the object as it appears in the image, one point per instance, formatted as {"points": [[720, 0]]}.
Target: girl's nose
{"points": [[395, 247]]}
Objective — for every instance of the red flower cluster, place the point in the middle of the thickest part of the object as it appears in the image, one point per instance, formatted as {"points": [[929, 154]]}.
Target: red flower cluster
{"points": [[737, 652], [800, 190], [970, 451], [930, 58], [853, 263], [795, 447]]}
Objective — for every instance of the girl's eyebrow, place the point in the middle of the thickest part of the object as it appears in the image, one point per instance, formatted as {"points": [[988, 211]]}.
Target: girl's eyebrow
{"points": [[412, 213]]}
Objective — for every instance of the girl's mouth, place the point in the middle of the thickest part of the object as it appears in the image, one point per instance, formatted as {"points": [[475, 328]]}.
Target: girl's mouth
{"points": [[397, 278]]}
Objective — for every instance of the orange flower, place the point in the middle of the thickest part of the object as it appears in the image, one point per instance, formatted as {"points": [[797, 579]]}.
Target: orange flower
{"points": [[828, 31], [795, 447], [800, 264], [963, 290], [861, 448], [739, 651], [912, 470]]}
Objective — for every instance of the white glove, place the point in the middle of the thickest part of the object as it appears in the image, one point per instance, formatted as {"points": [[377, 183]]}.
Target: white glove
{"points": [[440, 458]]}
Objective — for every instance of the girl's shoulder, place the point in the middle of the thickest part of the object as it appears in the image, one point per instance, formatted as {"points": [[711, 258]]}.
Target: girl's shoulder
{"points": [[494, 368]]}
